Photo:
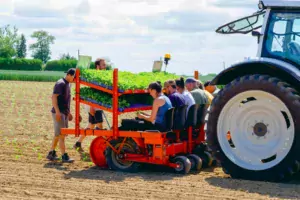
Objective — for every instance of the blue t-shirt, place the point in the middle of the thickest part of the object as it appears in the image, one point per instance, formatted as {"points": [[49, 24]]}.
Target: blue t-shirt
{"points": [[177, 99]]}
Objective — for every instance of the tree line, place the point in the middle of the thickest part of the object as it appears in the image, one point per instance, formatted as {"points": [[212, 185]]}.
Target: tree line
{"points": [[13, 45]]}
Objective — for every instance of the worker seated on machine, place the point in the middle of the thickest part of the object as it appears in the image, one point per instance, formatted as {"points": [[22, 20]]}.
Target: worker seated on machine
{"points": [[155, 120]]}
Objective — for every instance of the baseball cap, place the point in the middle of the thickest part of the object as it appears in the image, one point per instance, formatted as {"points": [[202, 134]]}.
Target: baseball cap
{"points": [[71, 71], [190, 80]]}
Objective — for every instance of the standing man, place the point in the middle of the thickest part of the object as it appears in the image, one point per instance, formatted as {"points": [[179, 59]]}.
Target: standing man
{"points": [[61, 98], [197, 93], [95, 114]]}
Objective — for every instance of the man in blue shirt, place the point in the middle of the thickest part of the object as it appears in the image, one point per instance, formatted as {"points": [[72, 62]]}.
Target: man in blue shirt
{"points": [[176, 98]]}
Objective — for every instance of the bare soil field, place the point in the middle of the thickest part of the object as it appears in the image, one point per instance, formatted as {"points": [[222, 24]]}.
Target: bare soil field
{"points": [[25, 139]]}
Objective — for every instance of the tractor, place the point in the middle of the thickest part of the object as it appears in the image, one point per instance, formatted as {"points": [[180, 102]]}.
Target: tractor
{"points": [[254, 121]]}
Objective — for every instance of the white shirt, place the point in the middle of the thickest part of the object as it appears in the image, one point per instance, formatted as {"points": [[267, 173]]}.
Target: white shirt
{"points": [[189, 100], [87, 108]]}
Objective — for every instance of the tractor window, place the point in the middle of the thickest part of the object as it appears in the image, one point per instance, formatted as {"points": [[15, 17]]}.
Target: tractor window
{"points": [[283, 37], [244, 25]]}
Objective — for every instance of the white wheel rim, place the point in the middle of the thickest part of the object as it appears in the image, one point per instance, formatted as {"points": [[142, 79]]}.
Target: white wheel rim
{"points": [[271, 136]]}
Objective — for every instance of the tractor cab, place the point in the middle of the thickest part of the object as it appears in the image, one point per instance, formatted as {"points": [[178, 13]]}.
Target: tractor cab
{"points": [[279, 37]]}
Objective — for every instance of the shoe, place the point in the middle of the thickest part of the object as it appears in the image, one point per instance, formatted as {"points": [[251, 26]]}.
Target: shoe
{"points": [[52, 155], [77, 147], [66, 158]]}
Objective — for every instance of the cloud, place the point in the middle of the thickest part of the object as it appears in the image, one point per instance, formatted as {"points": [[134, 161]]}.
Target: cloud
{"points": [[182, 21], [235, 3]]}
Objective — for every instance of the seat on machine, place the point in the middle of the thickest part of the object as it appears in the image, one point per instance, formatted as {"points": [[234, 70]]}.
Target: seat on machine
{"points": [[201, 113], [179, 121], [191, 121]]}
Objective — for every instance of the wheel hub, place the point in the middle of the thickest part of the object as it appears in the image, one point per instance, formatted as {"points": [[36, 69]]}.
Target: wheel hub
{"points": [[260, 129]]}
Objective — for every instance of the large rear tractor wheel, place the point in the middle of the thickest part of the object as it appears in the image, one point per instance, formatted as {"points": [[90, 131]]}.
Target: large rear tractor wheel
{"points": [[116, 160], [253, 131]]}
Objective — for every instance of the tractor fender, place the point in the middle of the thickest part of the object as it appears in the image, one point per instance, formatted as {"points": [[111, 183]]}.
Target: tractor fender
{"points": [[266, 66]]}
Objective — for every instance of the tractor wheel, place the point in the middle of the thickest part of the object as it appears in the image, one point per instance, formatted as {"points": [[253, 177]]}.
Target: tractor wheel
{"points": [[196, 162], [252, 128], [184, 165], [115, 160], [97, 152]]}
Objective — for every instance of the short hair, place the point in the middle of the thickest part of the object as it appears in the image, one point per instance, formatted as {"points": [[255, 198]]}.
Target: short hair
{"points": [[172, 83], [207, 83], [97, 62]]}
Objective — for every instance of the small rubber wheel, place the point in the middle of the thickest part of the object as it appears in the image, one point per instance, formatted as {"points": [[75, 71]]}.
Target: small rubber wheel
{"points": [[184, 165], [207, 159], [196, 162], [115, 161]]}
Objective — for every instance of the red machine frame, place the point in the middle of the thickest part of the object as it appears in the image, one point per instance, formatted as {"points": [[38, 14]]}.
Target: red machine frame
{"points": [[162, 149]]}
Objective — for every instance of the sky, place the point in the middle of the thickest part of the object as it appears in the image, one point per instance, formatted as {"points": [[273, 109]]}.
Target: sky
{"points": [[134, 33]]}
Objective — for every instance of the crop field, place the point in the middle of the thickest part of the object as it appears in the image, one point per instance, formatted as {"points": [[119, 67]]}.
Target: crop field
{"points": [[25, 139]]}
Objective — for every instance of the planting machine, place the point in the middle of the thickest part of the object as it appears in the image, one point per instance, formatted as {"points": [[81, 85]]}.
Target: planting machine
{"points": [[254, 122], [181, 147]]}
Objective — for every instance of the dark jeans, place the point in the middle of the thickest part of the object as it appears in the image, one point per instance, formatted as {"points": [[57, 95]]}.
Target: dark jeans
{"points": [[140, 125], [98, 118]]}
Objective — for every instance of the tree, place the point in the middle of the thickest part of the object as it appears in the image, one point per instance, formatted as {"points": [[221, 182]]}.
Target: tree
{"points": [[8, 41], [67, 57], [21, 48], [41, 49]]}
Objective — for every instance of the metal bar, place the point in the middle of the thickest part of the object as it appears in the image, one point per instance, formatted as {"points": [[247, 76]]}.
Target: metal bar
{"points": [[77, 102], [196, 75], [115, 103], [106, 120]]}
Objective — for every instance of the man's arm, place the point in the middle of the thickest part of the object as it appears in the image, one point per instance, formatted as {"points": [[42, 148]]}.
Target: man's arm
{"points": [[54, 103]]}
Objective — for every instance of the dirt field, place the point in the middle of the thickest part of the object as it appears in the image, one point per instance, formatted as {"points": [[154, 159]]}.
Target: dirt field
{"points": [[25, 138]]}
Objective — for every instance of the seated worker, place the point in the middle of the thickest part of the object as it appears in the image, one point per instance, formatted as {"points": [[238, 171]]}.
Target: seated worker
{"points": [[197, 93], [212, 89], [154, 121], [208, 95], [188, 98], [176, 98]]}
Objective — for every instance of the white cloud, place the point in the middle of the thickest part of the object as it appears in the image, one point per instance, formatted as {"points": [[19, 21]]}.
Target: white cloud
{"points": [[133, 33]]}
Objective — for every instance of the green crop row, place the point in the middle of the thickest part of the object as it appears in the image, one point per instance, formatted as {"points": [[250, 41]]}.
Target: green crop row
{"points": [[39, 76], [106, 99], [126, 80]]}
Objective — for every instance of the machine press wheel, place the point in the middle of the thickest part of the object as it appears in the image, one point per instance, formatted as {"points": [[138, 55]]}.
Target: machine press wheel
{"points": [[184, 165], [97, 152], [115, 161], [196, 162]]}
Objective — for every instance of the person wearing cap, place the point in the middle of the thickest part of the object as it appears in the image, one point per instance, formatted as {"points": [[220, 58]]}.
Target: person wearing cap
{"points": [[95, 114], [61, 114], [198, 94], [212, 89]]}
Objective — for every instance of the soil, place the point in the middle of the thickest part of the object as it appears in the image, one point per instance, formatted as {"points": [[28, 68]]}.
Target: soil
{"points": [[25, 139]]}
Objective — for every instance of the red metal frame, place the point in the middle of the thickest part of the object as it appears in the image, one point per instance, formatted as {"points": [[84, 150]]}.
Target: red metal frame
{"points": [[162, 149]]}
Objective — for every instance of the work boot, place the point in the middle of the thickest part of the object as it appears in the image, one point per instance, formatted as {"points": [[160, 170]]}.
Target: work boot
{"points": [[66, 158], [52, 155], [77, 147]]}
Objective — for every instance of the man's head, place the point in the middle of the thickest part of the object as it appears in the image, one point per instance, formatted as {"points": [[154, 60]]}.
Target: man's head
{"points": [[70, 75], [200, 85], [170, 87], [190, 84], [208, 87], [100, 64]]}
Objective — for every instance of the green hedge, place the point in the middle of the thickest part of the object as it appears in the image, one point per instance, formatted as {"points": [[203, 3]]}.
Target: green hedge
{"points": [[20, 64], [64, 65]]}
